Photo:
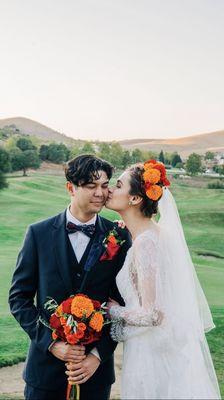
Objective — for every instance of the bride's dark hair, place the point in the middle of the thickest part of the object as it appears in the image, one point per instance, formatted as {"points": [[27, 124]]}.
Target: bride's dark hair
{"points": [[148, 207]]}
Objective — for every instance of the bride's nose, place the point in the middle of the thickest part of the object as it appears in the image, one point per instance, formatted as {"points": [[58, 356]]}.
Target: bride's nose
{"points": [[111, 189]]}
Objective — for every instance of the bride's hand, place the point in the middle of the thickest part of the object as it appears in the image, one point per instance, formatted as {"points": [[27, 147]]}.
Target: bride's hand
{"points": [[111, 303]]}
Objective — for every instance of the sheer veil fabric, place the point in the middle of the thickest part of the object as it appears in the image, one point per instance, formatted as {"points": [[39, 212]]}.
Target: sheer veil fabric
{"points": [[165, 317], [187, 310]]}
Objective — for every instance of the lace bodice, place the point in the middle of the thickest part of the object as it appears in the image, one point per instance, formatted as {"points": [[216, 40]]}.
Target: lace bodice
{"points": [[137, 283]]}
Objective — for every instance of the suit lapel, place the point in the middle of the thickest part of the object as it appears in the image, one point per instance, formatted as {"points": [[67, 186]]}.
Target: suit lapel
{"points": [[61, 250]]}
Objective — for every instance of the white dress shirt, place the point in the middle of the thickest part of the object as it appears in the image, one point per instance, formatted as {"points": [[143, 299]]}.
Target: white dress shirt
{"points": [[79, 240]]}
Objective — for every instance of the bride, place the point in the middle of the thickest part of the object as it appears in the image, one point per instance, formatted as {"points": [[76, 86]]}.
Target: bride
{"points": [[166, 315]]}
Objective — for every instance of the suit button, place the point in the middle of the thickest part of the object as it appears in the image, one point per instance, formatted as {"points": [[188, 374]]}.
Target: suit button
{"points": [[78, 275]]}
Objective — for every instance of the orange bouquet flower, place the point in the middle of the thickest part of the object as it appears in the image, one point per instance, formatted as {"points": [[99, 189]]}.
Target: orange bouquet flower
{"points": [[77, 320]]}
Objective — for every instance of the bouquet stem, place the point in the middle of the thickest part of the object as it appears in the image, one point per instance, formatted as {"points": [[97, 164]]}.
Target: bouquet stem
{"points": [[73, 392]]}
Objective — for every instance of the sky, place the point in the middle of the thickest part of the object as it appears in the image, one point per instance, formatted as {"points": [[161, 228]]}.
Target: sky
{"points": [[114, 69]]}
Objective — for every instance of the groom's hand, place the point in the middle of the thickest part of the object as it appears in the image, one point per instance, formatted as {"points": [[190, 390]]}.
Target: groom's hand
{"points": [[68, 352], [80, 373]]}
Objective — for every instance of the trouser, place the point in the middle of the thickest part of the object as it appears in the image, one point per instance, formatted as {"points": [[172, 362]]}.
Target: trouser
{"points": [[87, 392]]}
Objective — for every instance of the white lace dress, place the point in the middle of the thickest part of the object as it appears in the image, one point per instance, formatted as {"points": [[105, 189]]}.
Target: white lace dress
{"points": [[153, 365]]}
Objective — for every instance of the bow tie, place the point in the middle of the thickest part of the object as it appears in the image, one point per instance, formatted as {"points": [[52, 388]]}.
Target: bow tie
{"points": [[88, 230]]}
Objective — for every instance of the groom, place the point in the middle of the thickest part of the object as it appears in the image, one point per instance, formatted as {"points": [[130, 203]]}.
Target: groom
{"points": [[60, 257]]}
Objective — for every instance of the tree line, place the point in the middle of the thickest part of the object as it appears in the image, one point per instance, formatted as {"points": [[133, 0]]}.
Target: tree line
{"points": [[23, 153]]}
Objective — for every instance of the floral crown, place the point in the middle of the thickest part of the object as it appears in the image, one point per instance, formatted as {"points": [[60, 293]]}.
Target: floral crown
{"points": [[154, 177]]}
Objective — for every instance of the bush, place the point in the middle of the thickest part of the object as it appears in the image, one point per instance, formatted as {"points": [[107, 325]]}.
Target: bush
{"points": [[216, 185], [3, 183]]}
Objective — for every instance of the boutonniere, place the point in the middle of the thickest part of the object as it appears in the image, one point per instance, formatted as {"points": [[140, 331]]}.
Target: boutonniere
{"points": [[112, 244]]}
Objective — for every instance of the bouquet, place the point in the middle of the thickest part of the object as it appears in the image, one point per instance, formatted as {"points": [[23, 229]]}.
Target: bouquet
{"points": [[77, 320]]}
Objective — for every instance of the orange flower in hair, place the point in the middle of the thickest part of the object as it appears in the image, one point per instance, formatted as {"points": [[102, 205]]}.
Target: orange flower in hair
{"points": [[152, 176], [154, 192], [149, 164]]}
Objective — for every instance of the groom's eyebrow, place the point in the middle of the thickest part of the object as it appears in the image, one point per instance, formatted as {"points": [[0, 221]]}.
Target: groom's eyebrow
{"points": [[101, 183]]}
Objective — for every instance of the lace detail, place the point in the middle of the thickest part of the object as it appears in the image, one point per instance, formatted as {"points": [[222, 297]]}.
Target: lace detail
{"points": [[117, 330], [142, 308]]}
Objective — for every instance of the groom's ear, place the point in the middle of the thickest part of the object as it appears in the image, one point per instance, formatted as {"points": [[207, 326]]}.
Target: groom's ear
{"points": [[70, 188]]}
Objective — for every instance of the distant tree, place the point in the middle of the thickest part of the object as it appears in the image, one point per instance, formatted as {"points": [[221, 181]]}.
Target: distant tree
{"points": [[209, 155], [10, 144], [75, 151], [43, 152], [149, 155], [5, 164], [161, 157], [167, 158], [3, 134], [87, 148], [58, 153], [137, 156], [104, 151], [175, 158], [22, 160], [25, 144], [126, 158], [193, 164], [116, 155], [219, 169], [179, 165], [3, 183]]}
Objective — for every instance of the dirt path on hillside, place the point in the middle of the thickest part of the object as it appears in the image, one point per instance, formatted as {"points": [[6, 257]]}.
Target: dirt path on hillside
{"points": [[12, 385]]}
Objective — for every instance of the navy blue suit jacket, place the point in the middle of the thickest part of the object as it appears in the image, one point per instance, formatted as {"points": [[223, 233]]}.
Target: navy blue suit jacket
{"points": [[43, 269]]}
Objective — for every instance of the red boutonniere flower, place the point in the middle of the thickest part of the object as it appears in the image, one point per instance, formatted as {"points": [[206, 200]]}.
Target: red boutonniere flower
{"points": [[112, 243]]}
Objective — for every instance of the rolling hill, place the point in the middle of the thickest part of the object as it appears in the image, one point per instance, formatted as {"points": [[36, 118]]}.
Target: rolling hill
{"points": [[29, 127], [213, 141]]}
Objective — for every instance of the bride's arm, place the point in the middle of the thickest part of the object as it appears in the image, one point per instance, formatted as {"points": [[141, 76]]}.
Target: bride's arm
{"points": [[147, 313]]}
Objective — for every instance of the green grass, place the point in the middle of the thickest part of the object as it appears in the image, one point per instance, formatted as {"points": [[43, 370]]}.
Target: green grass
{"points": [[39, 196]]}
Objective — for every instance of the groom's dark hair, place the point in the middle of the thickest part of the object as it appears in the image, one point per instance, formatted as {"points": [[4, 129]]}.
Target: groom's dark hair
{"points": [[85, 168]]}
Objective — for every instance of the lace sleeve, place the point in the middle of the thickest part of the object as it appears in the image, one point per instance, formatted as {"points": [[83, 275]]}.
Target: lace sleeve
{"points": [[148, 312]]}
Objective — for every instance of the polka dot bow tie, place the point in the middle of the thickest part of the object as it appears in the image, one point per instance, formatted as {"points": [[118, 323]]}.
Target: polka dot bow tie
{"points": [[88, 230]]}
